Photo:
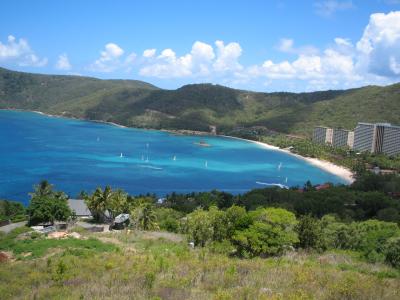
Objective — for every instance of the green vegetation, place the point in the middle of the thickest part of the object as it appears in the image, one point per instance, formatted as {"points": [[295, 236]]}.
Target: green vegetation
{"points": [[26, 244], [195, 107], [151, 268], [47, 206], [340, 156], [13, 211], [342, 242]]}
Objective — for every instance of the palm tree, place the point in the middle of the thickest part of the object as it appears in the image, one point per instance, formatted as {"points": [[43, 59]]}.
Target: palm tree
{"points": [[98, 202], [44, 188], [118, 203], [144, 217]]}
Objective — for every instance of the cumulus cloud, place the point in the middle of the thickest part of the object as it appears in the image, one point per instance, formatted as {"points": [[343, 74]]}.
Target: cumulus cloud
{"points": [[380, 44], [20, 53], [109, 59], [287, 46], [149, 53], [329, 7], [227, 57], [63, 63], [373, 59], [167, 64]]}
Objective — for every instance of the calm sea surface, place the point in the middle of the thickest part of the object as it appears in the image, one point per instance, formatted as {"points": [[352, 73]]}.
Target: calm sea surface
{"points": [[78, 155]]}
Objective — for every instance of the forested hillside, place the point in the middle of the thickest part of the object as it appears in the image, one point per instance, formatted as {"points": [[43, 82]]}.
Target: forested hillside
{"points": [[196, 106]]}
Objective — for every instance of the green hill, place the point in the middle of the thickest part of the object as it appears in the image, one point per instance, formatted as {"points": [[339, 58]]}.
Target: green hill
{"points": [[196, 106]]}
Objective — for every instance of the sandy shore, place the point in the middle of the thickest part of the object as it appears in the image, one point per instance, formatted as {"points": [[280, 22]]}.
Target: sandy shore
{"points": [[327, 166]]}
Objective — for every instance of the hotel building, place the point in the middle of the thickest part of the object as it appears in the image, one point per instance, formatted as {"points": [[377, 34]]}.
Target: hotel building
{"points": [[342, 138], [322, 135], [377, 138], [364, 137]]}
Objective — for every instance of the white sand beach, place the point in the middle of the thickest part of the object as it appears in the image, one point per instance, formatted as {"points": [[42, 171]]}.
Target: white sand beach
{"points": [[340, 171]]}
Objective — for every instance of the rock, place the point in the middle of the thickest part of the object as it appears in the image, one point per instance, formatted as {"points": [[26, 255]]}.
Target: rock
{"points": [[75, 235], [57, 235], [5, 256]]}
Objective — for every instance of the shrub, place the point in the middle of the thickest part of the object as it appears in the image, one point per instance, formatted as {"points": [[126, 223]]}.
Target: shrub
{"points": [[309, 232], [200, 228], [272, 232], [392, 252]]}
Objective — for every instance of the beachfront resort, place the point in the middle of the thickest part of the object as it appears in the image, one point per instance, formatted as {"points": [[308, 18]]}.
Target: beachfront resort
{"points": [[371, 137]]}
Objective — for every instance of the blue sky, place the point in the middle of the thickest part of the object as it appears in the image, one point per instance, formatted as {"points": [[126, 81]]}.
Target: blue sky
{"points": [[265, 45]]}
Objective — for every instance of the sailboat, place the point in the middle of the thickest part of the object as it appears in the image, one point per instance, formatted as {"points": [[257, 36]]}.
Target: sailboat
{"points": [[121, 155], [279, 166], [206, 164], [142, 157], [174, 158], [286, 180]]}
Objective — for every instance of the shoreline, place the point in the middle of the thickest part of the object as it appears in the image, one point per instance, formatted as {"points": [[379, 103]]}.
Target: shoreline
{"points": [[327, 166]]}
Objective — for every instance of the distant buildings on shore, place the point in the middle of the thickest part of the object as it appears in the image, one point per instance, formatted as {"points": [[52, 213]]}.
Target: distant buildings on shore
{"points": [[372, 137]]}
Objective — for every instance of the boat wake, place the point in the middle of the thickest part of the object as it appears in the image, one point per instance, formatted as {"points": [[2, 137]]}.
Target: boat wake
{"points": [[282, 186], [150, 167]]}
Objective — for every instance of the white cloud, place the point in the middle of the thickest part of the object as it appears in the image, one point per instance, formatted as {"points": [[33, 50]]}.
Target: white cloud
{"points": [[343, 42], [329, 7], [374, 59], [109, 60], [63, 62], [287, 46], [227, 57], [201, 61], [149, 53], [202, 51], [167, 65], [380, 44], [19, 52]]}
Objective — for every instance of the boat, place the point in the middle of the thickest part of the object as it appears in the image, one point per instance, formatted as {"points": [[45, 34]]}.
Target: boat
{"points": [[202, 144]]}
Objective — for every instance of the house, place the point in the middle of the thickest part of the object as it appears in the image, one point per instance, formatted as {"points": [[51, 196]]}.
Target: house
{"points": [[80, 208]]}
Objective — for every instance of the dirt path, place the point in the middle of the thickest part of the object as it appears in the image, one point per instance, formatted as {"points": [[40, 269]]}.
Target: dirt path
{"points": [[12, 226]]}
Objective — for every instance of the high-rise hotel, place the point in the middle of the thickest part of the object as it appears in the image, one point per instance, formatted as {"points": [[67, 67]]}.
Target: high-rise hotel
{"points": [[336, 137], [342, 138], [322, 135], [377, 138]]}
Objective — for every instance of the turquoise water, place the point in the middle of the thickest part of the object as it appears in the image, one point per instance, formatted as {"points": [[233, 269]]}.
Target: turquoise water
{"points": [[79, 155]]}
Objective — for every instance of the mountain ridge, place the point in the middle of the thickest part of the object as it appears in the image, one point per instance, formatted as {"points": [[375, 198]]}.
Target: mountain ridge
{"points": [[196, 106]]}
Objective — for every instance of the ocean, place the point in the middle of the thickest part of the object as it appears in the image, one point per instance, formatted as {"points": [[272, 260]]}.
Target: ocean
{"points": [[76, 155]]}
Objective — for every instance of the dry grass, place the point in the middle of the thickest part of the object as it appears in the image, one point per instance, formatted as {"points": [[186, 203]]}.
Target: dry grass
{"points": [[164, 269]]}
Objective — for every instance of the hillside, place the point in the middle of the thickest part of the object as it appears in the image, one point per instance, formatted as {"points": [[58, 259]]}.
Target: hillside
{"points": [[195, 107]]}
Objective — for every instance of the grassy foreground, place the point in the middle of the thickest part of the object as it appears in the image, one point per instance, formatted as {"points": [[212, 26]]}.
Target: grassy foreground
{"points": [[155, 265]]}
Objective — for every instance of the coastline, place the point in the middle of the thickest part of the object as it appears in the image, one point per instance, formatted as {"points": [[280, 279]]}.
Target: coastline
{"points": [[327, 166]]}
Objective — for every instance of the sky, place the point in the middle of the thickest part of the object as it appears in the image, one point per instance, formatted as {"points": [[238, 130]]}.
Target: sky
{"points": [[266, 45]]}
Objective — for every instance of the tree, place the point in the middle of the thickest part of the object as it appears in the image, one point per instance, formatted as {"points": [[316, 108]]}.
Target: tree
{"points": [[11, 210], [200, 229], [309, 232], [168, 219], [99, 202], [117, 203], [144, 217], [392, 252], [272, 232], [44, 188], [47, 206], [237, 219]]}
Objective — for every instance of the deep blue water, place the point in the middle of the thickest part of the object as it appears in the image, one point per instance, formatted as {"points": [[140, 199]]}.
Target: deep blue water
{"points": [[79, 155]]}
